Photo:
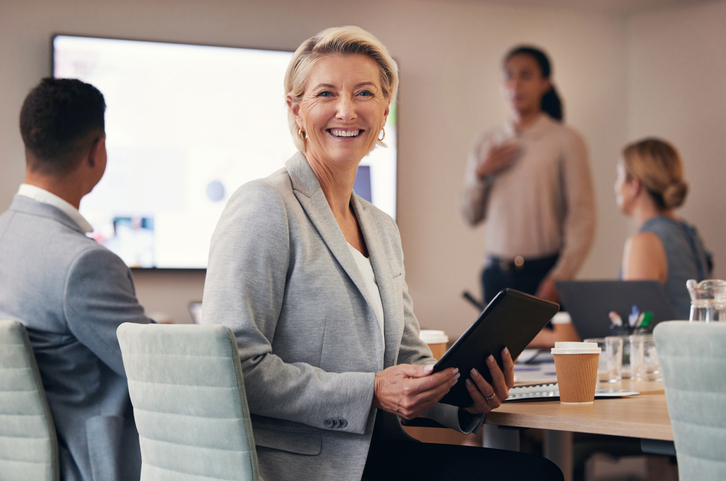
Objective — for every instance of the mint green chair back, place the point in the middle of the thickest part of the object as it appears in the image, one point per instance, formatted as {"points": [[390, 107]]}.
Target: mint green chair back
{"points": [[28, 442], [189, 401], [693, 361]]}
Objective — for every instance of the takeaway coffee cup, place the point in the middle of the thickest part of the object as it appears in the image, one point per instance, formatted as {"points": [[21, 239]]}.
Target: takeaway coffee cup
{"points": [[437, 341], [576, 367]]}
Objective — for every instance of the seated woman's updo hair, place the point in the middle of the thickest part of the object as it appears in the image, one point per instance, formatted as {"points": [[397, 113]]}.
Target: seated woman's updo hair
{"points": [[658, 167], [348, 40]]}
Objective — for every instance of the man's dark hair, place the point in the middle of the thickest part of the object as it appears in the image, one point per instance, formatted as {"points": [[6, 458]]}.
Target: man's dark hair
{"points": [[60, 119]]}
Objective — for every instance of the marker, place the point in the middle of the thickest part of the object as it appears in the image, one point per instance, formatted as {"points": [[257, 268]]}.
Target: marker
{"points": [[647, 318]]}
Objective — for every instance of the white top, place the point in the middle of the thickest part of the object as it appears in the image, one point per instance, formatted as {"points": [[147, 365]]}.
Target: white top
{"points": [[543, 204], [45, 197], [366, 270]]}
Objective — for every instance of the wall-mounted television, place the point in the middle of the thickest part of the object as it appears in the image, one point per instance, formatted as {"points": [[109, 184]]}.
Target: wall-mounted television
{"points": [[186, 125]]}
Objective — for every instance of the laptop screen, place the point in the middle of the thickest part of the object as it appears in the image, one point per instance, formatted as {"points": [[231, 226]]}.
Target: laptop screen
{"points": [[589, 303]]}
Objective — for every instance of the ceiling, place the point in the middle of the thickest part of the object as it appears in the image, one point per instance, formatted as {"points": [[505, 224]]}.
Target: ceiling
{"points": [[622, 7]]}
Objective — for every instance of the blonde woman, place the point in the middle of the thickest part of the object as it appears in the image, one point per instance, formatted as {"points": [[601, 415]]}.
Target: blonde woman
{"points": [[310, 277], [649, 187]]}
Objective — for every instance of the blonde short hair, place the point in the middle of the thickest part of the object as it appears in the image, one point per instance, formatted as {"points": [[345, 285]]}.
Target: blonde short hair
{"points": [[348, 40], [658, 167]]}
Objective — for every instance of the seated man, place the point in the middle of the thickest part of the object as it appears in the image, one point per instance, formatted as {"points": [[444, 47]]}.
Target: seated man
{"points": [[69, 292]]}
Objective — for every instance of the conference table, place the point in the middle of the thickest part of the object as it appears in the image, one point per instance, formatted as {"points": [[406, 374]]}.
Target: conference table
{"points": [[644, 416]]}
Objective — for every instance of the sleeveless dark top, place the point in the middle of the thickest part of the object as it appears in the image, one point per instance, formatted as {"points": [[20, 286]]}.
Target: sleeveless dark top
{"points": [[686, 256]]}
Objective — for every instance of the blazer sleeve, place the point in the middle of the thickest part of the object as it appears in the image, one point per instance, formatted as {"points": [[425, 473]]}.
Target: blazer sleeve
{"points": [[244, 289], [99, 295]]}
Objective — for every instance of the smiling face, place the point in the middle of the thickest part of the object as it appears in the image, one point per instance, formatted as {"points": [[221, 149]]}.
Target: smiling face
{"points": [[342, 110], [523, 85]]}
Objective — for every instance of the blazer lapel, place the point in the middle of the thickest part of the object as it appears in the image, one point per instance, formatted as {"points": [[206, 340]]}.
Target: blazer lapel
{"points": [[384, 279], [308, 192]]}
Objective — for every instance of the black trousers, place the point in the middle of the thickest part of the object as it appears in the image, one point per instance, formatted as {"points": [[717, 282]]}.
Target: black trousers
{"points": [[438, 462], [526, 278]]}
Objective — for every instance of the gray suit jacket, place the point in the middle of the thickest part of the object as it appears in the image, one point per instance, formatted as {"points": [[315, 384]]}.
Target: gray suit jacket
{"points": [[71, 294], [282, 277]]}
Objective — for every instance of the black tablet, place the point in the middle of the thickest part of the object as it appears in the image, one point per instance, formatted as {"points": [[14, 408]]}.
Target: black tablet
{"points": [[512, 319]]}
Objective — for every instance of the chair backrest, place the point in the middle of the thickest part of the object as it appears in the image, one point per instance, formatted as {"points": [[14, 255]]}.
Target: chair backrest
{"points": [[693, 361], [28, 442], [189, 401]]}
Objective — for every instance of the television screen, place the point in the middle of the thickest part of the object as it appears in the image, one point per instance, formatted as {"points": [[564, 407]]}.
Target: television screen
{"points": [[186, 125]]}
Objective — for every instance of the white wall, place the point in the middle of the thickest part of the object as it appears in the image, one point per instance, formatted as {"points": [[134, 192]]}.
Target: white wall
{"points": [[449, 54], [677, 91]]}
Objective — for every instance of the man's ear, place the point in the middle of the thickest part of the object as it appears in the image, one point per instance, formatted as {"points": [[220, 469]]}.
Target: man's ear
{"points": [[97, 149]]}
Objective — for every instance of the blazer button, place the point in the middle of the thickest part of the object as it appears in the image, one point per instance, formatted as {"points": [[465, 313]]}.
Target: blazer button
{"points": [[336, 422], [328, 423], [343, 423]]}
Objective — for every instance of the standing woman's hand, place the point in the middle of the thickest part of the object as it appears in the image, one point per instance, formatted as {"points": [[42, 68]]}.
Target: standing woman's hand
{"points": [[490, 396], [547, 290], [497, 158]]}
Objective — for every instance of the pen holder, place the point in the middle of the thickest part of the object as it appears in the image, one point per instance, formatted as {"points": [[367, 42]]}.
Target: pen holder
{"points": [[620, 330]]}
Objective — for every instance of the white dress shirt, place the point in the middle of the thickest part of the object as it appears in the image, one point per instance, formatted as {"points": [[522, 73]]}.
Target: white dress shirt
{"points": [[42, 195]]}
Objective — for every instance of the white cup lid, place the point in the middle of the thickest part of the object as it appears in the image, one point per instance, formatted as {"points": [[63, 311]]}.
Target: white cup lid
{"points": [[430, 336], [562, 317], [576, 348]]}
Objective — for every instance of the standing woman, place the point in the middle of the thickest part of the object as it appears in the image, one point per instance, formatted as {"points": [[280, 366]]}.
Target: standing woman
{"points": [[649, 186], [530, 180], [311, 279]]}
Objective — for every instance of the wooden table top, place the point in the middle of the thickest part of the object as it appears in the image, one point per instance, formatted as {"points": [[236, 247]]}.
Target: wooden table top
{"points": [[641, 416]]}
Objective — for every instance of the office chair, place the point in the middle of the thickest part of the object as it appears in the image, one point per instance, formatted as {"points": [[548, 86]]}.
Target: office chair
{"points": [[693, 361], [189, 401], [28, 442]]}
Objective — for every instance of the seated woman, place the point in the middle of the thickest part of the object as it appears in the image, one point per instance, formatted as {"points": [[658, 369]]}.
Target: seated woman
{"points": [[649, 186], [310, 277]]}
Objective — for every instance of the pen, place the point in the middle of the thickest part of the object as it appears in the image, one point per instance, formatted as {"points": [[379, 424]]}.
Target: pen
{"points": [[615, 318], [633, 317]]}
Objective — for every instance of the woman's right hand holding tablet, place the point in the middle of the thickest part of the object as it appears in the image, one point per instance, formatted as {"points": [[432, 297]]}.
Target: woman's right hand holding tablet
{"points": [[409, 390]]}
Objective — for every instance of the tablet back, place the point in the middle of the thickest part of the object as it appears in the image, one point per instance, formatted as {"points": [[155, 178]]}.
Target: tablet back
{"points": [[512, 319]]}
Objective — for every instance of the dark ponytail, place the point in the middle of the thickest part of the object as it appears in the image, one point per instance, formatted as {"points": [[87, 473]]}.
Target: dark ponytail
{"points": [[551, 103]]}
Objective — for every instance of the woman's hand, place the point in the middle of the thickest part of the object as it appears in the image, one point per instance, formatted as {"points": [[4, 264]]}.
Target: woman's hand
{"points": [[409, 390], [490, 396], [498, 158], [547, 290]]}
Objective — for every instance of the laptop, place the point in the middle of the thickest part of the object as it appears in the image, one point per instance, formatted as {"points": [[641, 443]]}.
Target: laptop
{"points": [[589, 303]]}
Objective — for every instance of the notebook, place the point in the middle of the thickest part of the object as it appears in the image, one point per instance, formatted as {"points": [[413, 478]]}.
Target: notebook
{"points": [[589, 303], [552, 391]]}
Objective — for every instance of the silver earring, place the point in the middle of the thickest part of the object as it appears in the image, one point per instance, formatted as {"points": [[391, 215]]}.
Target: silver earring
{"points": [[380, 138], [302, 134]]}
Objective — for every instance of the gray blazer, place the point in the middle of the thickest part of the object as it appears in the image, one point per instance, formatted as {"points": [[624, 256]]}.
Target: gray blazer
{"points": [[282, 277], [71, 294]]}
